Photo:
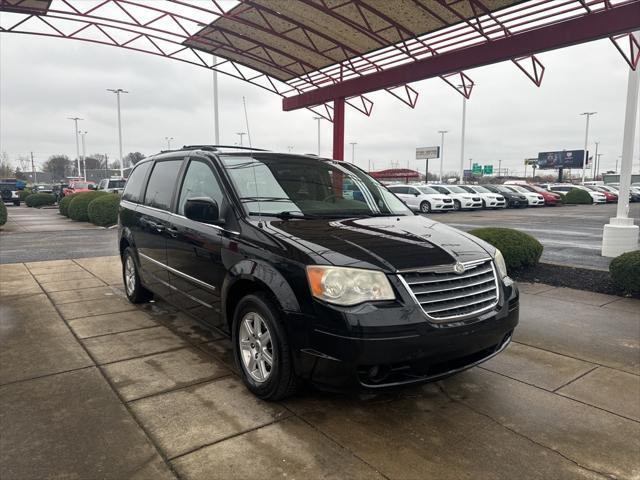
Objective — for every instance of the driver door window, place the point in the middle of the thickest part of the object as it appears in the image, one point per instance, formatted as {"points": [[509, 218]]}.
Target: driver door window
{"points": [[199, 181]]}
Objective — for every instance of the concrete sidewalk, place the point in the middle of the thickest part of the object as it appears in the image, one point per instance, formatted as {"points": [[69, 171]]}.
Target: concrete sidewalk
{"points": [[94, 387]]}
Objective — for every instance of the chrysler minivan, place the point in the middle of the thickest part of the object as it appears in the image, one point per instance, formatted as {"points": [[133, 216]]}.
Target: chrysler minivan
{"points": [[312, 284]]}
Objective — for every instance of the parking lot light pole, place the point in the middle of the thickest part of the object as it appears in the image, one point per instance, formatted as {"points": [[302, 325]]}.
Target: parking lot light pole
{"points": [[464, 121], [620, 234], [441, 132], [118, 91], [318, 119], [75, 120], [168, 139], [586, 142], [353, 151], [241, 134], [84, 156], [595, 161]]}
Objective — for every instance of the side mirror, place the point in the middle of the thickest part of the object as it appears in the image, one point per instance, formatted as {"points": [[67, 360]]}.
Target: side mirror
{"points": [[203, 209], [416, 194]]}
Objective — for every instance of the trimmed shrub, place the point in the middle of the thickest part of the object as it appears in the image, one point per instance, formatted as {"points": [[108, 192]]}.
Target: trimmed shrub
{"points": [[3, 213], [518, 249], [23, 194], [63, 205], [625, 271], [78, 207], [40, 200], [103, 211], [576, 196]]}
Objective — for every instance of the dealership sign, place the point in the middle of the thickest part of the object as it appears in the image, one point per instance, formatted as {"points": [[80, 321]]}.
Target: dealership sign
{"points": [[562, 159], [425, 153]]}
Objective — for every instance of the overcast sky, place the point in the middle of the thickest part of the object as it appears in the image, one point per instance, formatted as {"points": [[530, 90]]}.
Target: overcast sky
{"points": [[46, 80]]}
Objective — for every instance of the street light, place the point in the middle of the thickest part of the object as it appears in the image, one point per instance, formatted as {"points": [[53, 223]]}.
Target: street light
{"points": [[586, 140], [84, 155], [318, 119], [241, 134], [442, 132], [353, 151], [168, 139], [290, 148], [75, 120], [118, 91]]}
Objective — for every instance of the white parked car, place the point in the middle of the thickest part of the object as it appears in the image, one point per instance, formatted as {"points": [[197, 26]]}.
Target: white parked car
{"points": [[534, 199], [461, 198], [489, 199], [112, 185], [422, 198]]}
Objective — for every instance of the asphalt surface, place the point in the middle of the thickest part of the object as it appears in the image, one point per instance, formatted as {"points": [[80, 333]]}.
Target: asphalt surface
{"points": [[571, 235], [33, 234]]}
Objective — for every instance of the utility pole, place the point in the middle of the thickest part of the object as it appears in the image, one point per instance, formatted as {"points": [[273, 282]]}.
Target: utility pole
{"points": [[84, 156], [586, 141], [441, 132], [118, 91], [33, 170], [75, 120], [318, 119], [241, 134], [353, 151]]}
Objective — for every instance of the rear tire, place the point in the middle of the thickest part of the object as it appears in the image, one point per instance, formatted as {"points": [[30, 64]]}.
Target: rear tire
{"points": [[134, 290], [261, 349], [425, 207], [16, 204]]}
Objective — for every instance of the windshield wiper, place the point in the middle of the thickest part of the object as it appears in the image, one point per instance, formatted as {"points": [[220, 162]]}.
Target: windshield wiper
{"points": [[286, 215], [264, 199]]}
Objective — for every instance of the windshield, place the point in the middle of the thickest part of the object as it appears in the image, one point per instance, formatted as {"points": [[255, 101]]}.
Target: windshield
{"points": [[481, 190], [81, 185], [428, 190], [519, 189], [455, 189], [307, 186], [468, 189], [505, 189]]}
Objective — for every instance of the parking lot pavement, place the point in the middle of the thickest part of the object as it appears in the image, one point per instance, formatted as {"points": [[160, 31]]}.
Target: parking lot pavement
{"points": [[92, 387], [571, 235], [37, 234]]}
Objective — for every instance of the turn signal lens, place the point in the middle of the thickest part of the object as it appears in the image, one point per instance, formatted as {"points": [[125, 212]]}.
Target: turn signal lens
{"points": [[348, 286], [501, 266]]}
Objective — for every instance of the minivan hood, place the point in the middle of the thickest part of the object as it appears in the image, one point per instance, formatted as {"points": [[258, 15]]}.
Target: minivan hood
{"points": [[385, 243]]}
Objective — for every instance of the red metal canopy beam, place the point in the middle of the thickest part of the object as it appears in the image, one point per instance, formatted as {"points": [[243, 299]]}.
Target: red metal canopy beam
{"points": [[591, 26]]}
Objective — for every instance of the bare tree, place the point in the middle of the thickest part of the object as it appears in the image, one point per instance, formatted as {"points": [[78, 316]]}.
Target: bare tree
{"points": [[6, 170], [59, 165]]}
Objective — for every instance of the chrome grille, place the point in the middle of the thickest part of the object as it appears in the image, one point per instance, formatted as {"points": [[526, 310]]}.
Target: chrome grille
{"points": [[446, 295]]}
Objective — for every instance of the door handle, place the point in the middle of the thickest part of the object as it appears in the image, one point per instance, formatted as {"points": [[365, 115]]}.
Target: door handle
{"points": [[173, 231]]}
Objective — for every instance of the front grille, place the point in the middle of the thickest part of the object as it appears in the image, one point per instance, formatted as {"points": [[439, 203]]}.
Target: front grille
{"points": [[447, 200], [476, 199], [446, 295]]}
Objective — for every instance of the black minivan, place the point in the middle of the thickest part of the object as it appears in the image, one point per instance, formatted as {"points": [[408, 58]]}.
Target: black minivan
{"points": [[317, 272]]}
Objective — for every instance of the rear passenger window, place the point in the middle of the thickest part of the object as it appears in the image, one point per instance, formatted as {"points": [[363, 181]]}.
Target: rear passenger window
{"points": [[133, 190], [399, 190], [161, 184]]}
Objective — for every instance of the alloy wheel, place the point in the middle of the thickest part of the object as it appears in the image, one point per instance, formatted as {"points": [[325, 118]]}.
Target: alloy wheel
{"points": [[129, 275], [256, 347]]}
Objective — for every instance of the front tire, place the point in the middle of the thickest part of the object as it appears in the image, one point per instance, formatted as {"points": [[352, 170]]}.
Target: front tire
{"points": [[134, 290], [425, 207], [457, 206], [261, 349]]}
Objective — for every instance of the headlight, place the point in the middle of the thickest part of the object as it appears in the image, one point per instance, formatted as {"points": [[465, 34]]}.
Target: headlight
{"points": [[500, 265], [348, 286]]}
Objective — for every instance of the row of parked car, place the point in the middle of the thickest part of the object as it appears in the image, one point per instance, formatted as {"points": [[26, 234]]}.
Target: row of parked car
{"points": [[111, 185], [512, 194]]}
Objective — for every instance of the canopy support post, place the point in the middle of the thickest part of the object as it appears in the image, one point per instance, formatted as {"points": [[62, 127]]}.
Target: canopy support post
{"points": [[338, 129]]}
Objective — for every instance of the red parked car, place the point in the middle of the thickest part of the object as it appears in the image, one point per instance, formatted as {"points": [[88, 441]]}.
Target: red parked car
{"points": [[610, 197], [78, 186], [550, 199]]}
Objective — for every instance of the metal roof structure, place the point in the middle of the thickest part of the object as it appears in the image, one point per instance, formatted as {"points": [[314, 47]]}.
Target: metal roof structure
{"points": [[323, 54]]}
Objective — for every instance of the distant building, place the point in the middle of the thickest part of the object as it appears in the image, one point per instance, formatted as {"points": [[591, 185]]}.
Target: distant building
{"points": [[615, 178], [397, 175]]}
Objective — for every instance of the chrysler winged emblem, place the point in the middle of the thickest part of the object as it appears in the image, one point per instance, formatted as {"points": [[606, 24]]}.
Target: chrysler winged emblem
{"points": [[458, 268]]}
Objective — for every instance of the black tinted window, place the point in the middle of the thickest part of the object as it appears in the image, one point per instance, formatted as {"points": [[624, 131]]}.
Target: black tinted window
{"points": [[199, 181], [161, 183], [399, 189], [133, 190]]}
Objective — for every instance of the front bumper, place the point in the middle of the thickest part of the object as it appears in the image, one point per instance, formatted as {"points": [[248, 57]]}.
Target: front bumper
{"points": [[442, 206], [471, 204], [406, 348]]}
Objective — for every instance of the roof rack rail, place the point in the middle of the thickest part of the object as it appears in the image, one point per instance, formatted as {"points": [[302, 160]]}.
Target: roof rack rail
{"points": [[216, 147]]}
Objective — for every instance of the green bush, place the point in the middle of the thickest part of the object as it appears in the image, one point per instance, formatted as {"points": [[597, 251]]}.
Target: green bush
{"points": [[103, 211], [3, 213], [63, 205], [40, 199], [78, 207], [625, 271], [576, 196], [518, 248], [23, 194]]}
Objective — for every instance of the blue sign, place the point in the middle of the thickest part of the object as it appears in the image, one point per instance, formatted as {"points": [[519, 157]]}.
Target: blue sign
{"points": [[561, 159]]}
